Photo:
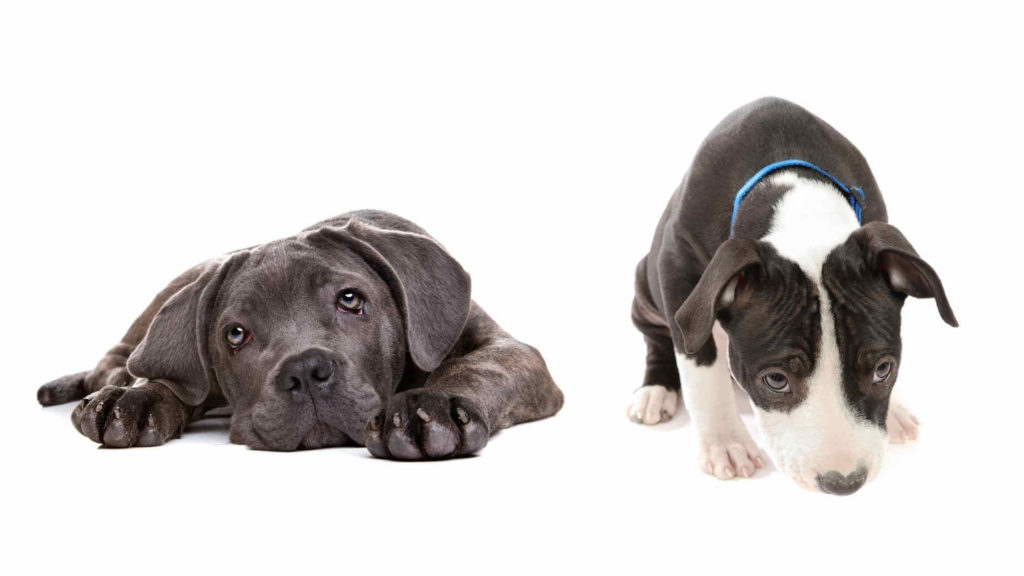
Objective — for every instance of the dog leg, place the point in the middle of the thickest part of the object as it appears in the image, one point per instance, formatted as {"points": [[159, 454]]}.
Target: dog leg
{"points": [[489, 382], [111, 370], [725, 448], [658, 399]]}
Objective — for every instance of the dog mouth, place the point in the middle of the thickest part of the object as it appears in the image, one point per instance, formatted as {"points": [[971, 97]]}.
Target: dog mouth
{"points": [[317, 425], [324, 435], [320, 435], [309, 419]]}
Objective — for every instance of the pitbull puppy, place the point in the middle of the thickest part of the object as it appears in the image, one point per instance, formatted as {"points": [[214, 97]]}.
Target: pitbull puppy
{"points": [[799, 305], [359, 330]]}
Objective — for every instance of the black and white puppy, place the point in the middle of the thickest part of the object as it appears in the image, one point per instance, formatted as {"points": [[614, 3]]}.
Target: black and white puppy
{"points": [[773, 266], [358, 330]]}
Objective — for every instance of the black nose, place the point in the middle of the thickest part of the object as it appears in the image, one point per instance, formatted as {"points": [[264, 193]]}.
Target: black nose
{"points": [[305, 371], [835, 483]]}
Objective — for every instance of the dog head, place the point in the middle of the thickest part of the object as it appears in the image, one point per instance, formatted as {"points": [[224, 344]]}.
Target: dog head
{"points": [[306, 336], [818, 351]]}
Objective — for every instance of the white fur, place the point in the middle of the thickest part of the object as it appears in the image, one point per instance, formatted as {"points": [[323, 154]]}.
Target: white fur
{"points": [[822, 433], [901, 424], [653, 404], [810, 220], [725, 447]]}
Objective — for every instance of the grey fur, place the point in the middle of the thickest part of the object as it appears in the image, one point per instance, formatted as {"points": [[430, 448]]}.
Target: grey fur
{"points": [[419, 372]]}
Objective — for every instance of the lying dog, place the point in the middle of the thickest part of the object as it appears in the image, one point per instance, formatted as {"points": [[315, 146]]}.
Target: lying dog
{"points": [[767, 270], [358, 330]]}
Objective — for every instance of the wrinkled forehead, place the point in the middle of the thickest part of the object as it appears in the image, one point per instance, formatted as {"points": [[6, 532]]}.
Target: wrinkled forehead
{"points": [[866, 309], [286, 273], [781, 318]]}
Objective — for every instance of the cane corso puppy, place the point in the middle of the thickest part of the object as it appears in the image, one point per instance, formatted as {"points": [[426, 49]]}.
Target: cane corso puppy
{"points": [[774, 266], [358, 330]]}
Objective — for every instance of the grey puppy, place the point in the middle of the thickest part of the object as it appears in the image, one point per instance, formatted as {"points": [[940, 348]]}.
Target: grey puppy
{"points": [[359, 330], [767, 270]]}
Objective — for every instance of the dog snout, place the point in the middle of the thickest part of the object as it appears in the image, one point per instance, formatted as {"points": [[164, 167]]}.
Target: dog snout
{"points": [[841, 485], [310, 370]]}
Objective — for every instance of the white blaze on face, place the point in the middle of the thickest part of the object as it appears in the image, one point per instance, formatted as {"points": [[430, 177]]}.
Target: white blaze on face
{"points": [[822, 434]]}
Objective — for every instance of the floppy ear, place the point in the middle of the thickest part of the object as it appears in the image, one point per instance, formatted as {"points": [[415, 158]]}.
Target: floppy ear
{"points": [[432, 290], [717, 289], [175, 350], [888, 251]]}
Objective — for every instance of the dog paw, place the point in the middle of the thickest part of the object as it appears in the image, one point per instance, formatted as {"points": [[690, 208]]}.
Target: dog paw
{"points": [[426, 425], [728, 454], [901, 424], [653, 404], [120, 417]]}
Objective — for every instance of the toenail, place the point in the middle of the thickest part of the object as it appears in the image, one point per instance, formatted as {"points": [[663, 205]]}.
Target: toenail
{"points": [[151, 421], [397, 419], [423, 414], [462, 415]]}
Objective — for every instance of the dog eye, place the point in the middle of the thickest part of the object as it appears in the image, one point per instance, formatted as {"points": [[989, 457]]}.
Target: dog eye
{"points": [[883, 370], [776, 381], [236, 336], [350, 301]]}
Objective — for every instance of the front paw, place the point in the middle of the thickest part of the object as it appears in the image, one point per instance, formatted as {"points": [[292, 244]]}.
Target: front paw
{"points": [[653, 404], [901, 424], [119, 417], [728, 453], [426, 425]]}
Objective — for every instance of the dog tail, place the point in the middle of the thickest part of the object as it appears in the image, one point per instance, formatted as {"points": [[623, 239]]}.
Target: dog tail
{"points": [[62, 390]]}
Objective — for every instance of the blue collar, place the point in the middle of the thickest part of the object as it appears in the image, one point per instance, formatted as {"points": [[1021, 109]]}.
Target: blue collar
{"points": [[852, 198]]}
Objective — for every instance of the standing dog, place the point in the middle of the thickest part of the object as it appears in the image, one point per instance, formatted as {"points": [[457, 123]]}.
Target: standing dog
{"points": [[768, 270], [358, 330]]}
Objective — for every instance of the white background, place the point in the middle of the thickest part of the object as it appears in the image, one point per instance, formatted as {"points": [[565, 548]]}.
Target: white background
{"points": [[539, 143]]}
